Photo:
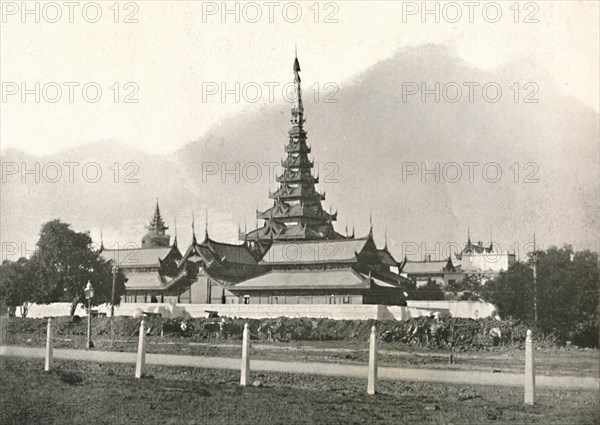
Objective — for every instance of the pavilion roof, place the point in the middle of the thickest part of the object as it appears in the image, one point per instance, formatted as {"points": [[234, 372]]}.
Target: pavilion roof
{"points": [[306, 279], [137, 257], [313, 251]]}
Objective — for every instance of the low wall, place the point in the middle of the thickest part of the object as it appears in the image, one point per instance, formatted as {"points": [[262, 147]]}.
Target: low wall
{"points": [[465, 309], [51, 310], [250, 311], [268, 311]]}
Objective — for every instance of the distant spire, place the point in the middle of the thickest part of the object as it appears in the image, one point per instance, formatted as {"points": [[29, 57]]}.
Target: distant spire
{"points": [[101, 240], [534, 245], [346, 227], [370, 222]]}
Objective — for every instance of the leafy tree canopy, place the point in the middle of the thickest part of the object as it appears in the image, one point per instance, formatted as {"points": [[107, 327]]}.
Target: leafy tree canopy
{"points": [[566, 291], [16, 284], [62, 264]]}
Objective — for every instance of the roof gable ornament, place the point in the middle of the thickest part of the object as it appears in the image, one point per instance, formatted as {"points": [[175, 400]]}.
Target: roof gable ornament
{"points": [[194, 241], [175, 224], [206, 225]]}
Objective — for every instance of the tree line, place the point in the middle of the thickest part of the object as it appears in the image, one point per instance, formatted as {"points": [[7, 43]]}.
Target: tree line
{"points": [[562, 301]]}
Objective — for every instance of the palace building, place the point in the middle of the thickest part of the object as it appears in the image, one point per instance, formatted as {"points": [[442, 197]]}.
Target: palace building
{"points": [[296, 256], [485, 260]]}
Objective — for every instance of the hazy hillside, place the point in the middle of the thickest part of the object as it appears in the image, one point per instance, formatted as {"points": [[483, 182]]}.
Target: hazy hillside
{"points": [[369, 133]]}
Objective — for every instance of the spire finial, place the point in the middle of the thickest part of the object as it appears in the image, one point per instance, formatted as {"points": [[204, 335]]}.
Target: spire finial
{"points": [[298, 108]]}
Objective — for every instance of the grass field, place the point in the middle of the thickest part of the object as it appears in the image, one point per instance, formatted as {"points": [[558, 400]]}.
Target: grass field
{"points": [[95, 393]]}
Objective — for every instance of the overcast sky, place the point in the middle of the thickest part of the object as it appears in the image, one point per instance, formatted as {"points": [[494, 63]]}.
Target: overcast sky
{"points": [[176, 48]]}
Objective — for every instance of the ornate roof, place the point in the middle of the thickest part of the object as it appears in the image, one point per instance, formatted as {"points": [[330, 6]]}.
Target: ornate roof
{"points": [[139, 257], [288, 192], [306, 279], [428, 267], [386, 258], [314, 251], [283, 210], [151, 281]]}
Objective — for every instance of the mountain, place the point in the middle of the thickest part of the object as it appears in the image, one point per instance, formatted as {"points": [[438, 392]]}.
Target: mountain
{"points": [[362, 144]]}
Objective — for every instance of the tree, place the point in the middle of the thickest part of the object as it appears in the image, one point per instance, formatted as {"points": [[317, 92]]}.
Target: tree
{"points": [[16, 285], [469, 288], [566, 292], [62, 264], [512, 292], [430, 291]]}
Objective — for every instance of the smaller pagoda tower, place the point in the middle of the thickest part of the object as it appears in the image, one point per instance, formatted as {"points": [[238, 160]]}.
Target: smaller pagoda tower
{"points": [[156, 237]]}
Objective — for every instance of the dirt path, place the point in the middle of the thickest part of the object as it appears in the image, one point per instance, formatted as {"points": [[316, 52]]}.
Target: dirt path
{"points": [[328, 369]]}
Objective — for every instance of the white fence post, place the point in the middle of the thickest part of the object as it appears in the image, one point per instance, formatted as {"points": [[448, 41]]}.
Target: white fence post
{"points": [[49, 361], [529, 370], [245, 375], [372, 382], [140, 363]]}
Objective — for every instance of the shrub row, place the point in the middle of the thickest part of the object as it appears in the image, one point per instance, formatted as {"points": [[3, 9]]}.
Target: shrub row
{"points": [[458, 333]]}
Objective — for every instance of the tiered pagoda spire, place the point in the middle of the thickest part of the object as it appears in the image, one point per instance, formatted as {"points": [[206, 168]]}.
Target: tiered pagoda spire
{"points": [[297, 212], [157, 225], [156, 236]]}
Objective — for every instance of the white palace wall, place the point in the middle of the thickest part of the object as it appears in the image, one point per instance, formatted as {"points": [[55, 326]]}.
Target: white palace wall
{"points": [[472, 309]]}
